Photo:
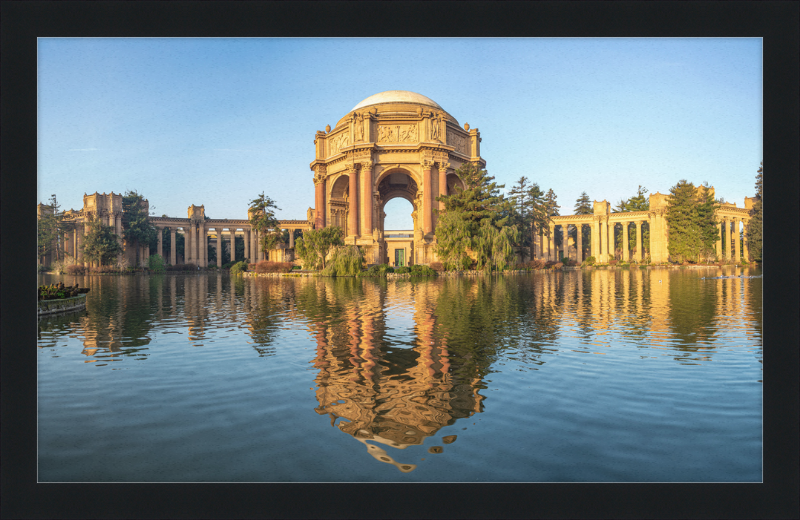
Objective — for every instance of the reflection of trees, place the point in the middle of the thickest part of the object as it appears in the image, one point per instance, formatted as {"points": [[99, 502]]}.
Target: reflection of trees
{"points": [[383, 393], [267, 300]]}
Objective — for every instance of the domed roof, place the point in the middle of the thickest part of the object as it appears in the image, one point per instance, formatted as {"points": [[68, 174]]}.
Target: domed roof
{"points": [[397, 96]]}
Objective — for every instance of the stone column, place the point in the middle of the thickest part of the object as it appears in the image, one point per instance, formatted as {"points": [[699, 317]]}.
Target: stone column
{"points": [[565, 240], [352, 198], [319, 202], [173, 246], [603, 242], [246, 238], [427, 199], [442, 182], [579, 243], [366, 199], [611, 249], [744, 242], [218, 231], [78, 244], [187, 244], [738, 247], [594, 240], [233, 244], [625, 247], [727, 228], [639, 252], [551, 243], [291, 235], [719, 240], [160, 236]]}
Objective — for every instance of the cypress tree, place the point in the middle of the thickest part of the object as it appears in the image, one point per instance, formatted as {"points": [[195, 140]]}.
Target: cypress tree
{"points": [[756, 223], [691, 220]]}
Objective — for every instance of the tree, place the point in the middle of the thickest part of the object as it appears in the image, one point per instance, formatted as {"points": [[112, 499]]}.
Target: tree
{"points": [[476, 218], [551, 204], [262, 219], [49, 229], [136, 227], [528, 211], [691, 220], [313, 247], [583, 206], [100, 244], [756, 223]]}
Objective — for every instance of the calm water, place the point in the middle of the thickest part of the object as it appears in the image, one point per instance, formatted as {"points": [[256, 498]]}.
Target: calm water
{"points": [[641, 375]]}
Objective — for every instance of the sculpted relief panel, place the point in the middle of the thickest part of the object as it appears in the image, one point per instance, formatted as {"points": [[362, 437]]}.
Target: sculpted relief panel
{"points": [[397, 134], [458, 142], [338, 142]]}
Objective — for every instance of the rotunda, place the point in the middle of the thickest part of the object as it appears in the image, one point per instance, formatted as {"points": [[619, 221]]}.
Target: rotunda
{"points": [[392, 144]]}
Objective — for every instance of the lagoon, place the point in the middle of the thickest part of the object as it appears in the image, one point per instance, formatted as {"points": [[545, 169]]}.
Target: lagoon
{"points": [[640, 375]]}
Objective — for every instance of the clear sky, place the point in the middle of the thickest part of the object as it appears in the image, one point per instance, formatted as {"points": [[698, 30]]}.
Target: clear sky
{"points": [[216, 121]]}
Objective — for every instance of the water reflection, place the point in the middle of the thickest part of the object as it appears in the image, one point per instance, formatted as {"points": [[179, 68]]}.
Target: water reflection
{"points": [[396, 362]]}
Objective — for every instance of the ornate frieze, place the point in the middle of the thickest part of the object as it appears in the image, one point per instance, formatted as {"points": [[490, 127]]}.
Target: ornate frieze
{"points": [[398, 133], [459, 142], [338, 142]]}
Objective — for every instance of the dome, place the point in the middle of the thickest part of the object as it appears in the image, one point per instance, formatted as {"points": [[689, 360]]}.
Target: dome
{"points": [[397, 96]]}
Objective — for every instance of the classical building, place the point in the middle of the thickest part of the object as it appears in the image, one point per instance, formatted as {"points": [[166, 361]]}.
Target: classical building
{"points": [[393, 144]]}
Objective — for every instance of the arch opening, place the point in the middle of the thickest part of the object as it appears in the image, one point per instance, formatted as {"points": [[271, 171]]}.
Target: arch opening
{"points": [[397, 218]]}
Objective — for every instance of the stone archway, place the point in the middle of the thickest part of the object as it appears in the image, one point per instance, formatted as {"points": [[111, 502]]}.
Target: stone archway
{"points": [[393, 184]]}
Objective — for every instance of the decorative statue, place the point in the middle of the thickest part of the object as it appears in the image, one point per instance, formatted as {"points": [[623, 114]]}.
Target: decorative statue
{"points": [[435, 128], [359, 127]]}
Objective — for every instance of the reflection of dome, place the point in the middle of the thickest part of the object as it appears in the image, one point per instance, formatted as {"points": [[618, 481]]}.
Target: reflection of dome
{"points": [[397, 96]]}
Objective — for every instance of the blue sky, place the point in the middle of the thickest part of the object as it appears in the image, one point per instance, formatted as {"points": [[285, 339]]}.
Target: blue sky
{"points": [[215, 121]]}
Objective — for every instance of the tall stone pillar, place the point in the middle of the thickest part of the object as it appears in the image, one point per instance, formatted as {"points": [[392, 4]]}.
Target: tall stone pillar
{"points": [[625, 247], [603, 242], [443, 182], [160, 234], [233, 244], [291, 233], [611, 248], [366, 199], [246, 237], [579, 243], [594, 243], [726, 224], [427, 199], [565, 240], [352, 210], [719, 239], [188, 257], [639, 252], [173, 246], [551, 243], [79, 244], [319, 203], [218, 232], [746, 251], [737, 249]]}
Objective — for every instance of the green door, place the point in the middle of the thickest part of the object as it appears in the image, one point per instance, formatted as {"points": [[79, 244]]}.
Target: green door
{"points": [[399, 257]]}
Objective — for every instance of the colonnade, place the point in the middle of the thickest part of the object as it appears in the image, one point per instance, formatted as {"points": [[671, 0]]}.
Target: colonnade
{"points": [[196, 236]]}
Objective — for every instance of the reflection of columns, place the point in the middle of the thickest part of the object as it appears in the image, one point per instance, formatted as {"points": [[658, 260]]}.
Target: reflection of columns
{"points": [[246, 237], [160, 233], [319, 203], [352, 198], [737, 249], [579, 243], [551, 243], [427, 199], [366, 199], [625, 247], [233, 245], [639, 252], [565, 240], [719, 240], [173, 247], [727, 229]]}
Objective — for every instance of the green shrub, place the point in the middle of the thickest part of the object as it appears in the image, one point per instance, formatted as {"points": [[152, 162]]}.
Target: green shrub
{"points": [[537, 263], [265, 266], [345, 261], [182, 267], [422, 270], [437, 266], [589, 260], [403, 270], [228, 265], [42, 268], [156, 263], [75, 269], [238, 268]]}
